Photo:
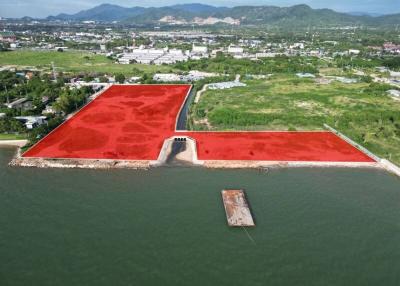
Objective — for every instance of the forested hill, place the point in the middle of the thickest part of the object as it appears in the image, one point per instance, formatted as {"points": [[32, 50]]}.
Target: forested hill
{"points": [[299, 15]]}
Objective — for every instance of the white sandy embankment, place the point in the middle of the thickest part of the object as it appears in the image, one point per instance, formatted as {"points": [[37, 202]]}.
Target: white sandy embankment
{"points": [[78, 163], [16, 143], [390, 167], [284, 164], [199, 93]]}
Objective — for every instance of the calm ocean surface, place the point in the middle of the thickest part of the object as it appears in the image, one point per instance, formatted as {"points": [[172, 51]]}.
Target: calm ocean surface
{"points": [[167, 226]]}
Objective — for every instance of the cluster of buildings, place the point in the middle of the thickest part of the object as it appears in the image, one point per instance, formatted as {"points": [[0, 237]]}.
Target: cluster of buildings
{"points": [[25, 104], [393, 78], [245, 49], [190, 77], [153, 56], [144, 55], [391, 48], [7, 36]]}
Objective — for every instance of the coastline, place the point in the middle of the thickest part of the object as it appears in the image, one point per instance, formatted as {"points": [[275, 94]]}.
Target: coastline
{"points": [[285, 164], [105, 164], [102, 164], [19, 161]]}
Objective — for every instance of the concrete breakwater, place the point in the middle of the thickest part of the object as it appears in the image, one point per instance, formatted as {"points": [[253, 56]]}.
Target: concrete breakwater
{"points": [[78, 163]]}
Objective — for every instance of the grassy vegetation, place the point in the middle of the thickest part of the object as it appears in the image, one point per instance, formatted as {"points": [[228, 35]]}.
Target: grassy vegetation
{"points": [[73, 61], [362, 111], [228, 65], [12, 136]]}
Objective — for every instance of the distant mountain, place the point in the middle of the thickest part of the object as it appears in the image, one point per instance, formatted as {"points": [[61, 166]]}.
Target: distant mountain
{"points": [[199, 8], [103, 13], [298, 15]]}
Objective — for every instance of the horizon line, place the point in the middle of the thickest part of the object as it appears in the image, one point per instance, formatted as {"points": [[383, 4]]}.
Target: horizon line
{"points": [[362, 13]]}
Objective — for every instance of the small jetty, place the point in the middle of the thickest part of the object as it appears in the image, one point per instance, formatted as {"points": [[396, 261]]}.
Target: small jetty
{"points": [[236, 208]]}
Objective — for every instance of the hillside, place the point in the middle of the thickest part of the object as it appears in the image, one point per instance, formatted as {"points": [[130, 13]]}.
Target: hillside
{"points": [[104, 13], [299, 15]]}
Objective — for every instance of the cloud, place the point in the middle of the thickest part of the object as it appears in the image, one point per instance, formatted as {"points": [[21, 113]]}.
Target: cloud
{"points": [[43, 8]]}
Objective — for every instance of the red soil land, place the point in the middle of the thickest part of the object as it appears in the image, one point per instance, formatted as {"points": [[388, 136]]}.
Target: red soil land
{"points": [[132, 122]]}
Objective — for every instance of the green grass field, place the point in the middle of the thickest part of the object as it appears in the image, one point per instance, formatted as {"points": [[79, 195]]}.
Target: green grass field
{"points": [[73, 61], [12, 136], [284, 102]]}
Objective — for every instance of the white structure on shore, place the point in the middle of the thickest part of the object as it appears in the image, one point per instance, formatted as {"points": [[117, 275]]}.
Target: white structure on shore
{"points": [[226, 85]]}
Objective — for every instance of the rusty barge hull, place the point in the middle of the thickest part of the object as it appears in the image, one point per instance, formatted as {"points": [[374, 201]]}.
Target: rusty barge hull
{"points": [[236, 208]]}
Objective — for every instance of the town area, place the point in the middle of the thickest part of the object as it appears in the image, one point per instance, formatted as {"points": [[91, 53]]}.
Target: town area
{"points": [[347, 77]]}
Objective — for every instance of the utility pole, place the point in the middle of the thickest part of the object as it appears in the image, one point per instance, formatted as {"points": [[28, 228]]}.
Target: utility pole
{"points": [[8, 99], [54, 71]]}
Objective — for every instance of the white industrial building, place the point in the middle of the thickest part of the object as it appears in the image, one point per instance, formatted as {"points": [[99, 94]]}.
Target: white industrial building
{"points": [[153, 56], [266, 55], [199, 52], [141, 56], [235, 50], [199, 49], [171, 57]]}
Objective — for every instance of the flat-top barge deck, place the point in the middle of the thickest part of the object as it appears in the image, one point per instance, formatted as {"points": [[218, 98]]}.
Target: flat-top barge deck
{"points": [[236, 208]]}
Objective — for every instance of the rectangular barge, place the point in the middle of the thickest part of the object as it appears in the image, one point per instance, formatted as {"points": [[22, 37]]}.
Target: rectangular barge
{"points": [[236, 208]]}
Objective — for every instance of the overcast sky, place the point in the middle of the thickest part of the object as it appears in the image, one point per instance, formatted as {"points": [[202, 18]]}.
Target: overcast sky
{"points": [[43, 8]]}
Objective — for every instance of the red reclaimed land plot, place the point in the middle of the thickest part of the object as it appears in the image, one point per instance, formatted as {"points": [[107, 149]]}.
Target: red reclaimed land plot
{"points": [[316, 146], [131, 122], [123, 123]]}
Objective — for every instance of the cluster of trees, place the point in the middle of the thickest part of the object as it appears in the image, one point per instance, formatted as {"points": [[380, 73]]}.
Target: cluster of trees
{"points": [[226, 64], [357, 62], [38, 133], [230, 118], [120, 78], [7, 81], [38, 88], [71, 99], [11, 125], [392, 63], [41, 90]]}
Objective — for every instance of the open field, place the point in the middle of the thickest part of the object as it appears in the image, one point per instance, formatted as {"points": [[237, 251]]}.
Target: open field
{"points": [[73, 61], [364, 113], [276, 146], [125, 123], [132, 122], [12, 136]]}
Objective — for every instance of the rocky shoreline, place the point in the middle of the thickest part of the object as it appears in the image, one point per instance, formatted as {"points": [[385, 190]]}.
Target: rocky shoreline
{"points": [[103, 164], [18, 161]]}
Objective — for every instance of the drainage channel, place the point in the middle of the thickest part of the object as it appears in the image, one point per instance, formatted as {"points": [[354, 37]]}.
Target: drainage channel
{"points": [[181, 123]]}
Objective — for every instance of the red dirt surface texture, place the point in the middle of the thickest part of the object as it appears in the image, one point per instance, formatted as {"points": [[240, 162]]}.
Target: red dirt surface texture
{"points": [[132, 122]]}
